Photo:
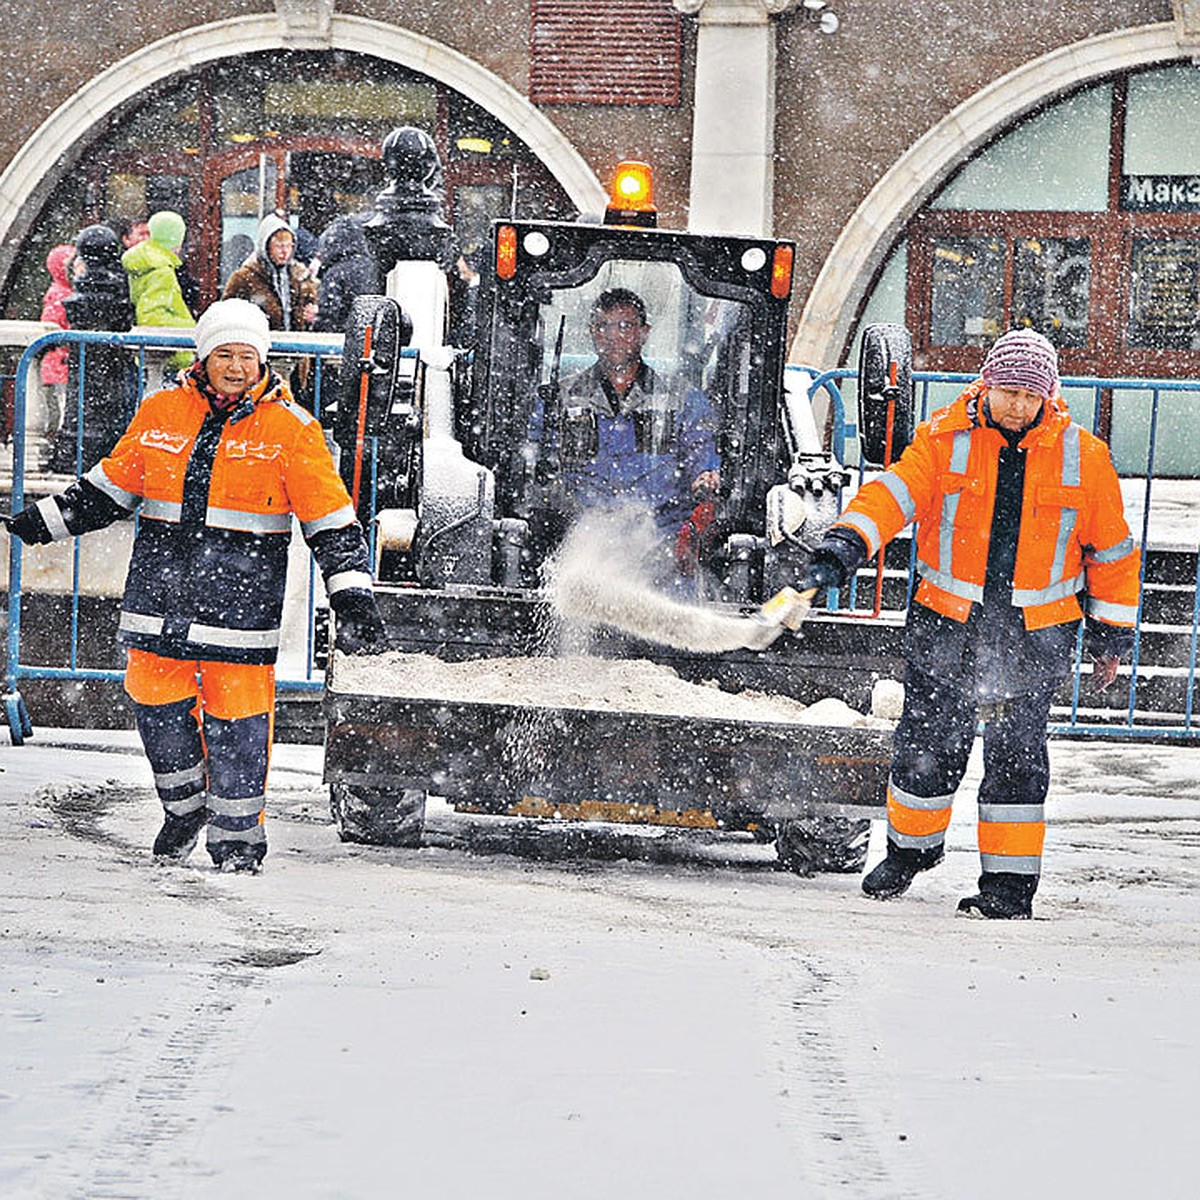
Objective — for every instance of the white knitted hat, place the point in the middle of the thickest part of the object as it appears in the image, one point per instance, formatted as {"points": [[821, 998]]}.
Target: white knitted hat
{"points": [[232, 321]]}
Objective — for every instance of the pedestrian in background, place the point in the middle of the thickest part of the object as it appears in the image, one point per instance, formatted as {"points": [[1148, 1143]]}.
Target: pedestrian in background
{"points": [[53, 368], [1021, 535], [99, 301], [154, 286], [347, 270], [215, 467], [130, 230], [272, 278], [283, 288]]}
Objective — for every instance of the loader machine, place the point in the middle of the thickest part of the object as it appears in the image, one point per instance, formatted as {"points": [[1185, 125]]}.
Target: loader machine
{"points": [[479, 701]]}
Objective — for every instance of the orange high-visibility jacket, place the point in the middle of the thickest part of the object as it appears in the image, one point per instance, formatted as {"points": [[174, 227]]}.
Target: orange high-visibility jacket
{"points": [[1073, 536], [216, 494]]}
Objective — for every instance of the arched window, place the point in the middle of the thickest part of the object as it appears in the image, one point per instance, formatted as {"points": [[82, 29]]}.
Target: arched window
{"points": [[1083, 222], [298, 131]]}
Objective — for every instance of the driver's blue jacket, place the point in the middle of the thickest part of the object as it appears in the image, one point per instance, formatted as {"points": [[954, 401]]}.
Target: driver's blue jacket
{"points": [[647, 446]]}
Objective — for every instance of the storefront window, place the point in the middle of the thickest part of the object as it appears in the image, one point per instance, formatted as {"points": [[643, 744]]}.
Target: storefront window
{"points": [[1162, 123], [1057, 160], [244, 195], [280, 96], [968, 291], [170, 123], [1164, 293], [1052, 288]]}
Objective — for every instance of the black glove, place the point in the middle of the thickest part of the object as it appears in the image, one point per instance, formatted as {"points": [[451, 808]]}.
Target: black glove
{"points": [[841, 552], [1101, 640], [823, 571], [358, 626], [28, 525]]}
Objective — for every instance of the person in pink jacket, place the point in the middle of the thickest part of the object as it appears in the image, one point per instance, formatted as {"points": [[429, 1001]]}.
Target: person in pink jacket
{"points": [[54, 362]]}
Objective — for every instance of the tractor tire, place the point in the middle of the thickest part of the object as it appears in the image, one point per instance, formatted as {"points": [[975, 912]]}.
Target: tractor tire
{"points": [[376, 816], [882, 345], [823, 843]]}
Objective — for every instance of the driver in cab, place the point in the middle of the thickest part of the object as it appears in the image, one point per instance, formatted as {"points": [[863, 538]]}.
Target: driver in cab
{"points": [[622, 431]]}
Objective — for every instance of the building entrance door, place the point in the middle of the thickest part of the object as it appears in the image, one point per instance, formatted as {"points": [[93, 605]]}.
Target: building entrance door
{"points": [[311, 182]]}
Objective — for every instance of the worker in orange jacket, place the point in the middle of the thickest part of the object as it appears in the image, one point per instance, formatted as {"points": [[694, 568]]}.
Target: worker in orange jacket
{"points": [[1021, 534], [216, 468]]}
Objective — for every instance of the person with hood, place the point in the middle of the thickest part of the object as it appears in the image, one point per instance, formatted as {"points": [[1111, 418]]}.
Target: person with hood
{"points": [[99, 301], [272, 278], [283, 288], [53, 368], [216, 466], [348, 270], [153, 266], [1021, 536]]}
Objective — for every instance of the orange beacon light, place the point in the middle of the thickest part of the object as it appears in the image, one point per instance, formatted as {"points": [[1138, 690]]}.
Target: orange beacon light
{"points": [[631, 197]]}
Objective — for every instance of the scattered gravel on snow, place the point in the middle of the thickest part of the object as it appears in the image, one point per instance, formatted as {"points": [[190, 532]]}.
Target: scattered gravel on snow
{"points": [[575, 681]]}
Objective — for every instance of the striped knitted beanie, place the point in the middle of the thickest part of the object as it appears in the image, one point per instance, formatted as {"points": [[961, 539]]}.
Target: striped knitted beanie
{"points": [[1022, 358]]}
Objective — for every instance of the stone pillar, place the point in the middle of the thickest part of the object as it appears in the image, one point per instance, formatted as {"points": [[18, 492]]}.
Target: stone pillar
{"points": [[733, 123]]}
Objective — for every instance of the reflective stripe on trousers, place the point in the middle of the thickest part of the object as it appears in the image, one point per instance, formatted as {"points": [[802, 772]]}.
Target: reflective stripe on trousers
{"points": [[207, 725], [932, 746]]}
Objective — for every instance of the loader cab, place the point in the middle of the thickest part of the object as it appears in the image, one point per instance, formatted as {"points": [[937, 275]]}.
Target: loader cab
{"points": [[716, 308]]}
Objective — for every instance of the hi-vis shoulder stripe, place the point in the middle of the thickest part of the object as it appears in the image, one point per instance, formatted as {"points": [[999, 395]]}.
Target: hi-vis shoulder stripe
{"points": [[301, 414], [99, 480]]}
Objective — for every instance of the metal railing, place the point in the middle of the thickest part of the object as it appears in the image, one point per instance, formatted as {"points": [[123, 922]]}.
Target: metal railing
{"points": [[1074, 719], [146, 348]]}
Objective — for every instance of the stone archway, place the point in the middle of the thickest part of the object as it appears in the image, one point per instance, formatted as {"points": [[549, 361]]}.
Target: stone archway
{"points": [[63, 137], [880, 219]]}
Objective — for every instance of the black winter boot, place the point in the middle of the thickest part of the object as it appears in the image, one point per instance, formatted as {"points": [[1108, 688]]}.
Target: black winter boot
{"points": [[238, 857], [1002, 896], [178, 836], [891, 877]]}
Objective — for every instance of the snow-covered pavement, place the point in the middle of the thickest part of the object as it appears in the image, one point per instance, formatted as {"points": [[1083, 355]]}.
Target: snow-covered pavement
{"points": [[359, 1023]]}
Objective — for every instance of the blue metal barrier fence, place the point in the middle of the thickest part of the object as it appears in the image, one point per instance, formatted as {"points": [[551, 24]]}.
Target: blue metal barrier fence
{"points": [[1133, 723], [1084, 393]]}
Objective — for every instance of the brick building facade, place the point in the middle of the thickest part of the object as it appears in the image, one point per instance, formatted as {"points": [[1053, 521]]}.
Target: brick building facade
{"points": [[754, 119]]}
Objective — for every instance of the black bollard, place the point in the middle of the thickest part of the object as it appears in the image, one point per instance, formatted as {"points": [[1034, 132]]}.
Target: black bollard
{"points": [[407, 224]]}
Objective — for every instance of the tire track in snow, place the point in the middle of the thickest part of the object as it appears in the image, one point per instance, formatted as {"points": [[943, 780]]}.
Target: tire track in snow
{"points": [[141, 1123]]}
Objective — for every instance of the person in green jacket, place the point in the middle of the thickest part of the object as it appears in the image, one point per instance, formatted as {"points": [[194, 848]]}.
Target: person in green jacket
{"points": [[153, 282]]}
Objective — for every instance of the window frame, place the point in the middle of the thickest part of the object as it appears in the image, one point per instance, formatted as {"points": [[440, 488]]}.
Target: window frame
{"points": [[1107, 352]]}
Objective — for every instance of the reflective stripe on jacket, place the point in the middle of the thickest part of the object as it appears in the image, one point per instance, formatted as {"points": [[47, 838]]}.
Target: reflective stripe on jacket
{"points": [[216, 493], [1073, 535]]}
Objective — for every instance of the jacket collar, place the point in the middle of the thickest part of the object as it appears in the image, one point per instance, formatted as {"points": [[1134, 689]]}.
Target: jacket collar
{"points": [[269, 388], [967, 413]]}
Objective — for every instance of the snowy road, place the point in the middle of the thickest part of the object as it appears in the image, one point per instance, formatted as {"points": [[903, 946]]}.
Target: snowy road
{"points": [[358, 1023]]}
